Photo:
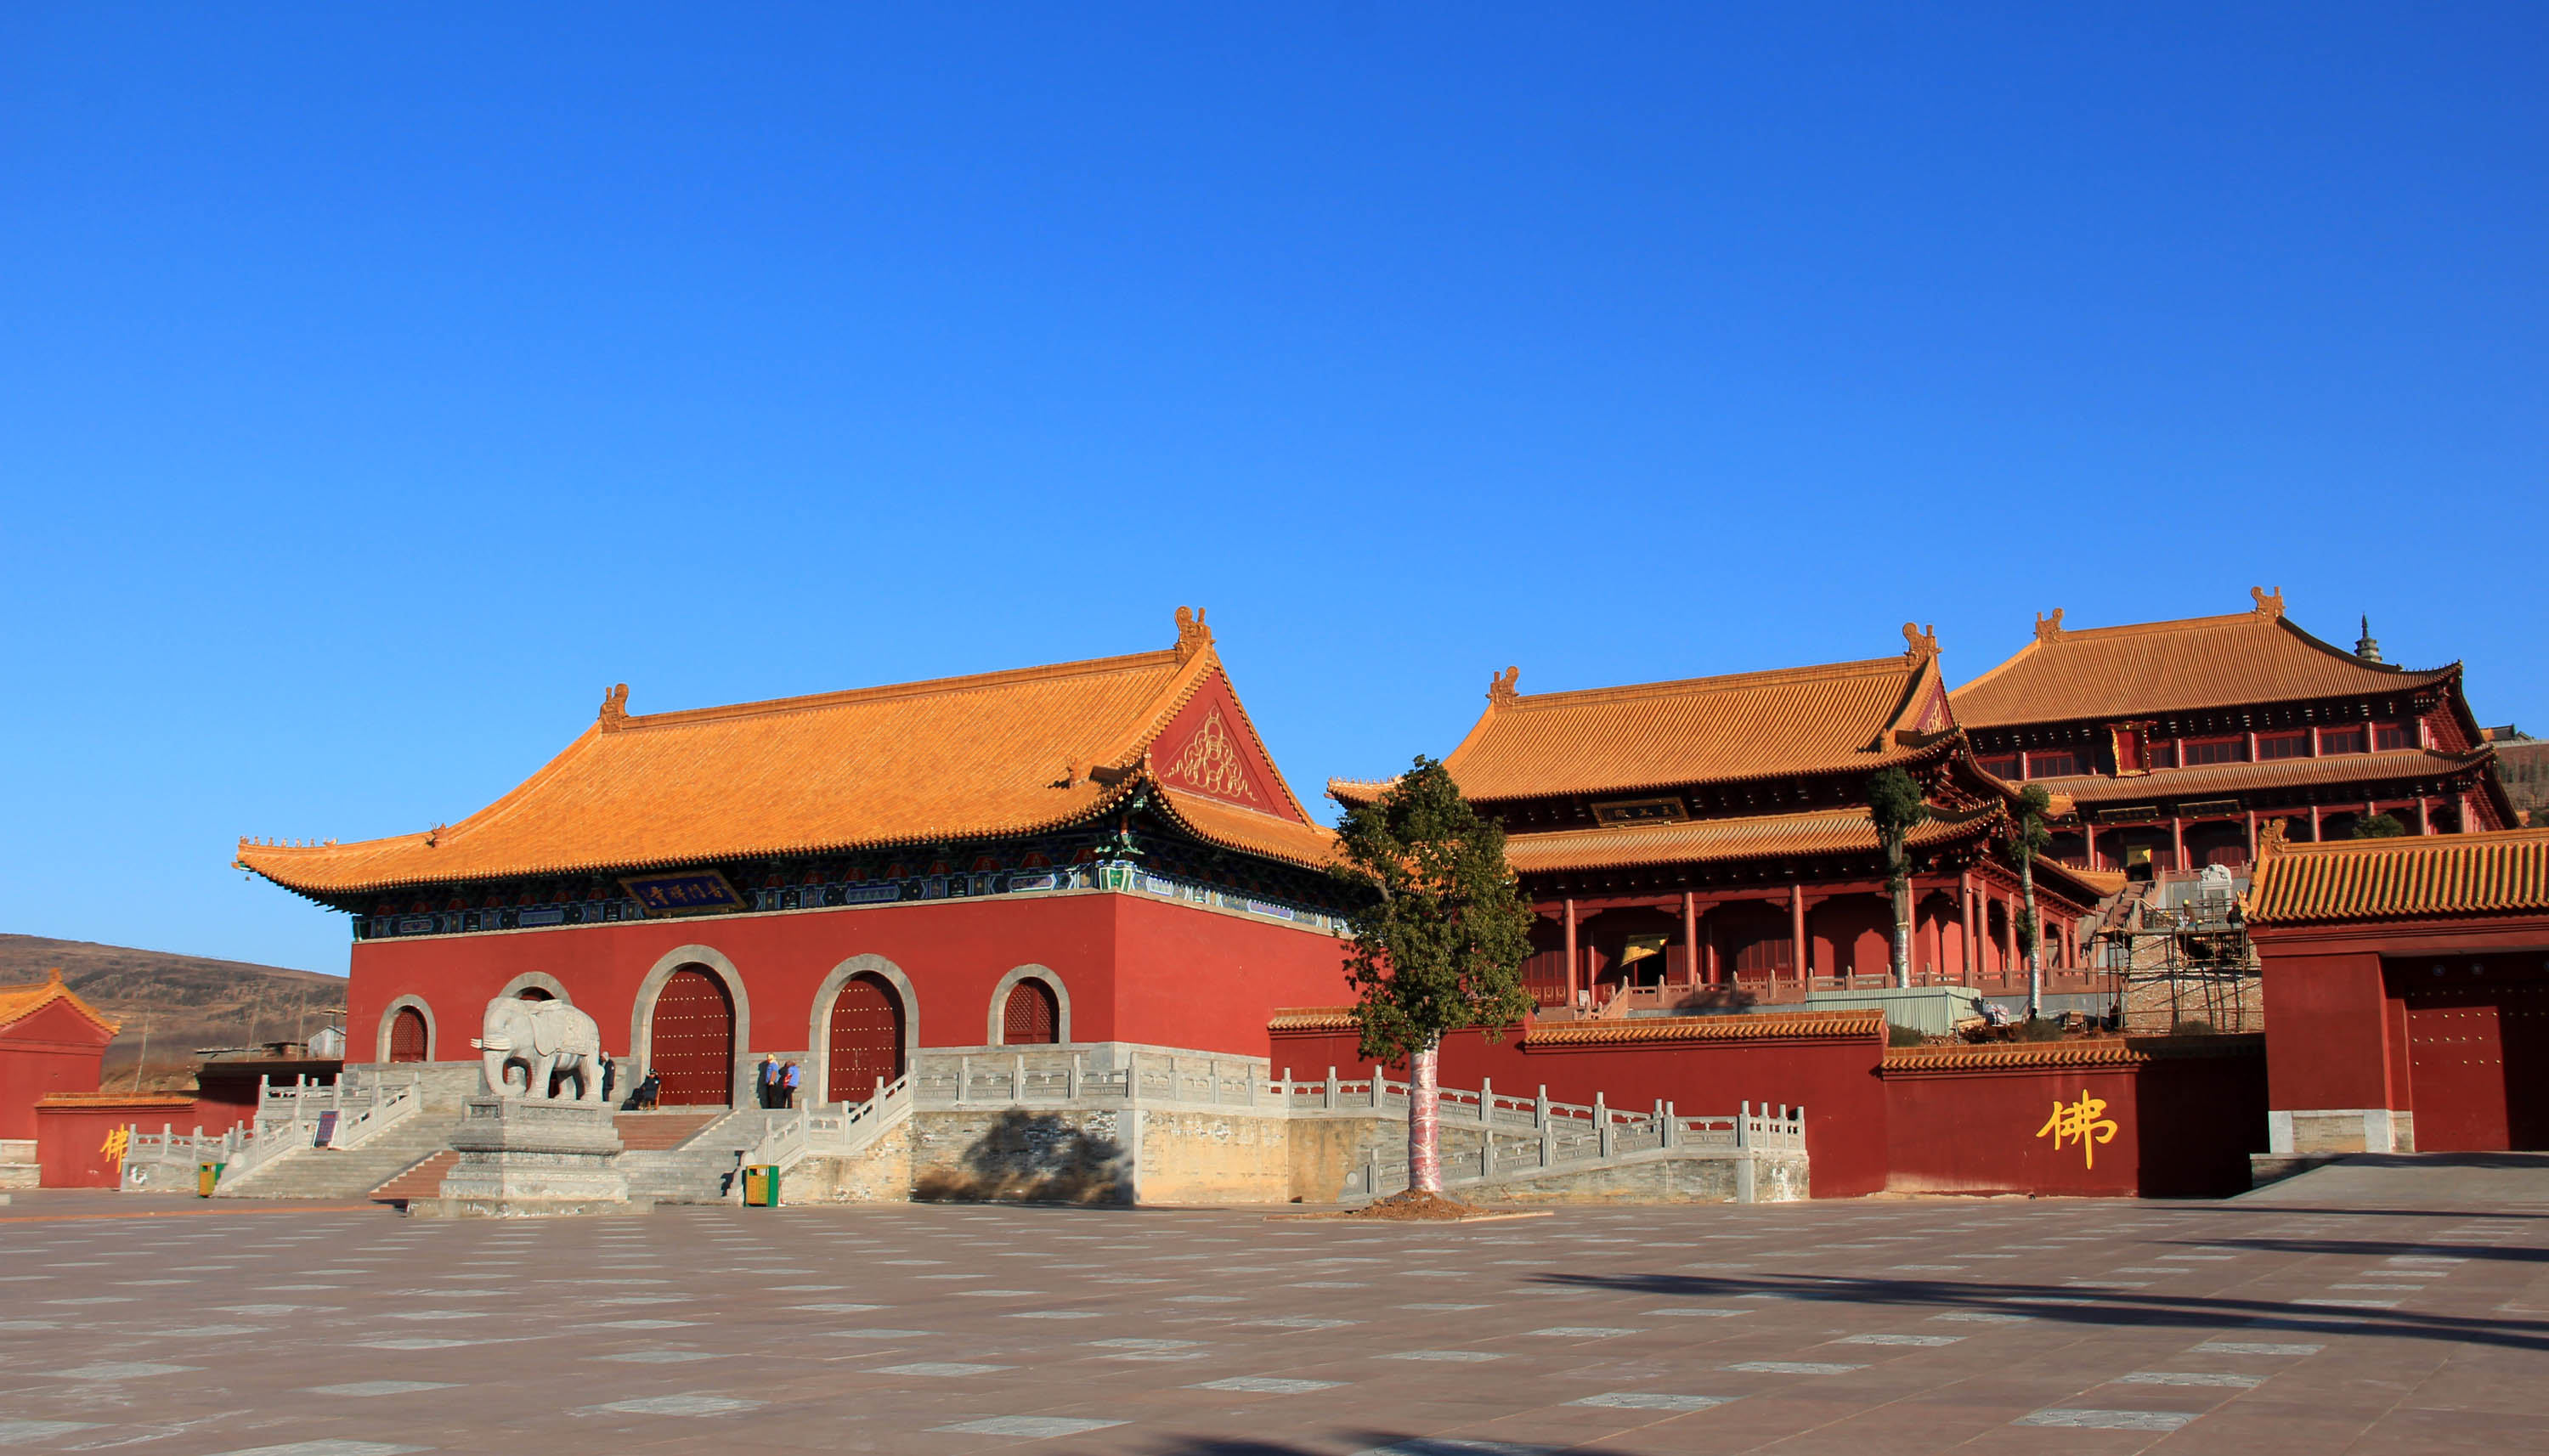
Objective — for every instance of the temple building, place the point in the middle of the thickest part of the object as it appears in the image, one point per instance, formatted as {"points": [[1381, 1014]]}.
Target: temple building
{"points": [[1707, 845], [1091, 853], [2175, 742]]}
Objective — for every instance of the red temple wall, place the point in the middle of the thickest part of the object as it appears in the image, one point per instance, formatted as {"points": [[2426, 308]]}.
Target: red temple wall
{"points": [[1129, 967], [71, 1137], [1189, 977], [1974, 1133]]}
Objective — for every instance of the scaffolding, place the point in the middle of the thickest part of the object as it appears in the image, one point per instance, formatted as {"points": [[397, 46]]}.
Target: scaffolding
{"points": [[2182, 953]]}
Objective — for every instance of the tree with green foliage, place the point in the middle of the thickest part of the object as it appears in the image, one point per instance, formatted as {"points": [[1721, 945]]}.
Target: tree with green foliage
{"points": [[1895, 804], [1437, 941], [2379, 826], [2028, 838]]}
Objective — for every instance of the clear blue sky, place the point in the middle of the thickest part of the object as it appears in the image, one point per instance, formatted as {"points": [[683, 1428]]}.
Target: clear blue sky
{"points": [[379, 384]]}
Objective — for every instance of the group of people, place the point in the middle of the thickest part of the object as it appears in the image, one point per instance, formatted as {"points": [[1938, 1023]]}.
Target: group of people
{"points": [[778, 1082]]}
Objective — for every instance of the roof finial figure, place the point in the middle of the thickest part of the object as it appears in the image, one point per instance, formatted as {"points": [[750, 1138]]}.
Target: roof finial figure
{"points": [[1921, 643], [615, 710], [1193, 635], [1500, 687], [2269, 603], [2364, 647], [2048, 628]]}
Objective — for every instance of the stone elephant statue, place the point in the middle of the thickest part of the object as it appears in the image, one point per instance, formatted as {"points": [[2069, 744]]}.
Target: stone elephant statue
{"points": [[549, 1038]]}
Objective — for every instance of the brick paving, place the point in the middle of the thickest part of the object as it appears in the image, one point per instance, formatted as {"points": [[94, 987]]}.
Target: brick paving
{"points": [[1857, 1327]]}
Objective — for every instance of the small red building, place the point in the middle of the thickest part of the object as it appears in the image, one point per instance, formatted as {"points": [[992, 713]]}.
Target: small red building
{"points": [[51, 1040], [2176, 741], [1094, 851], [2407, 985]]}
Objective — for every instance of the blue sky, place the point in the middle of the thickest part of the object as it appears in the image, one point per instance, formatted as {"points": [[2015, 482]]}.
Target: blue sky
{"points": [[380, 384]]}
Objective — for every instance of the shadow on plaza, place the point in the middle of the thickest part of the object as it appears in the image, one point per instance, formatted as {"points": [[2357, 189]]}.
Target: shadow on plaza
{"points": [[2374, 1248], [1368, 1443], [2075, 1304]]}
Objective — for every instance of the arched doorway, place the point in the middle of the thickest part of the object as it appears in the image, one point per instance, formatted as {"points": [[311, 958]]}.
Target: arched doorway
{"points": [[408, 1040], [865, 1040], [691, 1041], [1030, 1016], [532, 993]]}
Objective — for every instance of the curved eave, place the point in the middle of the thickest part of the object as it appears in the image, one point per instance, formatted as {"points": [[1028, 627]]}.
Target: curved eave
{"points": [[1276, 837], [259, 858]]}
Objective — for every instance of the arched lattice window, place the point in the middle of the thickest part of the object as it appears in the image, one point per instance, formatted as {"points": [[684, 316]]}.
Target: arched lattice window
{"points": [[1030, 1018], [408, 1035]]}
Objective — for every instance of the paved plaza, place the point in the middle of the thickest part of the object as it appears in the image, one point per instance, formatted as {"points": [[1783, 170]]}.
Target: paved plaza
{"points": [[1858, 1328]]}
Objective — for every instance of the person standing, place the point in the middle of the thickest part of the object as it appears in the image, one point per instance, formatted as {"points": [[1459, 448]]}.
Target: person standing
{"points": [[768, 1080], [787, 1075]]}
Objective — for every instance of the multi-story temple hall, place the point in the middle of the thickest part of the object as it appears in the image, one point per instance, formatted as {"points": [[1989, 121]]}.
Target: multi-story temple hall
{"points": [[1708, 842], [2175, 741]]}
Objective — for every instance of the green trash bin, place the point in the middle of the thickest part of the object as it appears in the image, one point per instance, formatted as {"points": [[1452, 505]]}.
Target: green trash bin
{"points": [[207, 1177], [761, 1186]]}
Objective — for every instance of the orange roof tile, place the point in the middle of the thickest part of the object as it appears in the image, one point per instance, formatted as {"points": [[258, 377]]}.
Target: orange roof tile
{"points": [[2103, 1051], [1313, 1018], [1762, 1025], [1236, 828], [996, 754], [2230, 779], [2418, 875], [18, 1002], [1704, 730], [1837, 831], [2129, 671]]}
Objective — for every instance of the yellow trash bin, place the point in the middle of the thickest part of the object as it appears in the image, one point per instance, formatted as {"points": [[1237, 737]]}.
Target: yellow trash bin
{"points": [[761, 1186], [206, 1176]]}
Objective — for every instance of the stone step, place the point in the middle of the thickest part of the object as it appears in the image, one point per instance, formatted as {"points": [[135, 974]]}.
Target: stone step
{"points": [[424, 1180], [327, 1172], [650, 1132]]}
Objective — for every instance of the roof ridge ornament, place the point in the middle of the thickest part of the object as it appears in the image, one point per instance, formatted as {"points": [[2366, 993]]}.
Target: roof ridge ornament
{"points": [[2269, 603], [2049, 629], [1500, 687], [615, 710], [1193, 635], [1921, 644]]}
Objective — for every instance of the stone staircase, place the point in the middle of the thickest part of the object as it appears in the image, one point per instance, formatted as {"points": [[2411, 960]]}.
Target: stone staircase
{"points": [[424, 1180], [327, 1172], [692, 1162]]}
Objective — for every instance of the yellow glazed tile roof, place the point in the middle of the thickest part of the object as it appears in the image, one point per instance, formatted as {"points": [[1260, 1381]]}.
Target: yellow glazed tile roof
{"points": [[1844, 830], [2228, 778], [959, 758], [2149, 668], [18, 1002], [1762, 1025], [2418, 876], [1703, 730]]}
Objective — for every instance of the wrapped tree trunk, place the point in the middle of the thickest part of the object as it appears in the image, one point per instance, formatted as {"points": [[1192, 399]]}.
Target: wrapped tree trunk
{"points": [[1424, 1122], [2035, 933], [1901, 930]]}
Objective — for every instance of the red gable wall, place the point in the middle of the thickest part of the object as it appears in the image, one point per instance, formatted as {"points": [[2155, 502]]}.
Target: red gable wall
{"points": [[1208, 749]]}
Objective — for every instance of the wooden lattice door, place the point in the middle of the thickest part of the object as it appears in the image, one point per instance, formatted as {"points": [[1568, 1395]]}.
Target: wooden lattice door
{"points": [[690, 1041], [407, 1034], [1030, 1018], [865, 1040]]}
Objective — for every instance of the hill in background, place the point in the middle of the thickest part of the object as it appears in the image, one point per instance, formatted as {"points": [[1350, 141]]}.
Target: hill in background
{"points": [[182, 1002]]}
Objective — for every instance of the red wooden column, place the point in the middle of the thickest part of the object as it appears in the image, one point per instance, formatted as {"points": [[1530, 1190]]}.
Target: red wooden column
{"points": [[2424, 814], [2088, 839], [1965, 907], [2177, 839], [1691, 939], [2252, 836], [2313, 824], [1796, 935], [1571, 956]]}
